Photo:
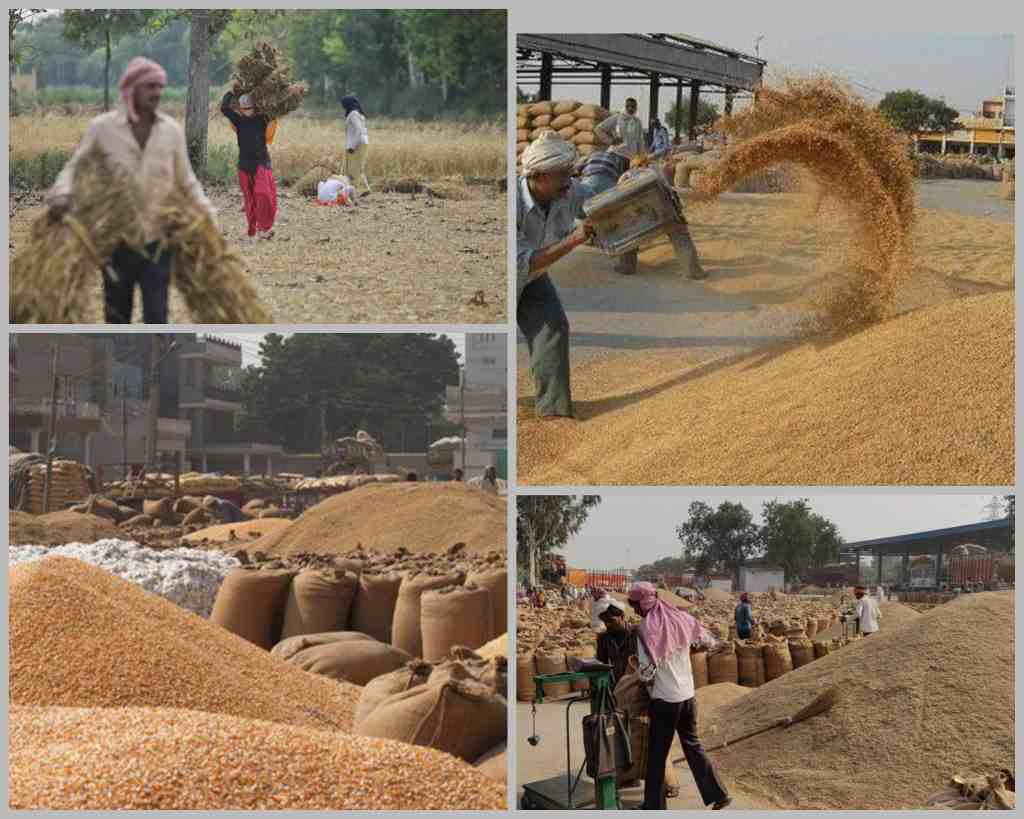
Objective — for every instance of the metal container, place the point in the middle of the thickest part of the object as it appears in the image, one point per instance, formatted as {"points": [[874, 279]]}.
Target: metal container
{"points": [[636, 209]]}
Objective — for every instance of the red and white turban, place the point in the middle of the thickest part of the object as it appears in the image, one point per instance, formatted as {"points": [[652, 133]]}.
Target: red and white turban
{"points": [[139, 70]]}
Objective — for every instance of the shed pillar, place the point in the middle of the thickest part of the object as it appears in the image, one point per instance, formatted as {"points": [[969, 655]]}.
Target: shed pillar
{"points": [[547, 69], [679, 109], [694, 107], [606, 87], [655, 88]]}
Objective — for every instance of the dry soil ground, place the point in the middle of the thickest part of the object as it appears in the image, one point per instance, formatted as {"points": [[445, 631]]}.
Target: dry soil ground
{"points": [[767, 256], [396, 258]]}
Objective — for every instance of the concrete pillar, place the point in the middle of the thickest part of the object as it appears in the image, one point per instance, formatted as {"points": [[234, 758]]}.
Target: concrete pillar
{"points": [[87, 448], [547, 69], [246, 464], [270, 464], [205, 467], [679, 107], [606, 87], [34, 434], [694, 107]]}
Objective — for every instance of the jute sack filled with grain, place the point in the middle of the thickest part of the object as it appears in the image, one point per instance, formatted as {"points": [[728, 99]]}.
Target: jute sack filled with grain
{"points": [[139, 520], [594, 112], [405, 627], [585, 138], [639, 733], [567, 133], [526, 669], [496, 583], [777, 659], [523, 121], [536, 132], [318, 601], [565, 106], [463, 719], [811, 628], [699, 665], [250, 603], [356, 661], [571, 653], [412, 675], [552, 662], [187, 504], [161, 510], [540, 109], [454, 615], [561, 121], [631, 695], [722, 665], [198, 517], [824, 624], [750, 665], [522, 134], [802, 652], [522, 146], [494, 763], [822, 648], [542, 120], [373, 609], [288, 648], [498, 647]]}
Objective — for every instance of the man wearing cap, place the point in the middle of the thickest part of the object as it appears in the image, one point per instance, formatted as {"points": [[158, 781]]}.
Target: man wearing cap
{"points": [[548, 204], [868, 613], [744, 615], [151, 147], [255, 131], [617, 643]]}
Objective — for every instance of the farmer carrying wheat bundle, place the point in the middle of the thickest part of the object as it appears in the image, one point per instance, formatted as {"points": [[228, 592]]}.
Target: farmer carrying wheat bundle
{"points": [[255, 131], [151, 147]]}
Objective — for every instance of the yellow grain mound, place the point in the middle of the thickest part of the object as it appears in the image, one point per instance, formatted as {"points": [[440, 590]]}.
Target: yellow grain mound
{"points": [[923, 398], [58, 528], [168, 759], [243, 532], [421, 517], [82, 637]]}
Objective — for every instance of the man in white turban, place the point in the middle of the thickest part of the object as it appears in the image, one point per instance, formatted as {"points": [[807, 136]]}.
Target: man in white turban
{"points": [[549, 202]]}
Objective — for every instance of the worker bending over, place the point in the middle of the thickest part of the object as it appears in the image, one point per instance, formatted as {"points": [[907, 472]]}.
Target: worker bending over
{"points": [[664, 639]]}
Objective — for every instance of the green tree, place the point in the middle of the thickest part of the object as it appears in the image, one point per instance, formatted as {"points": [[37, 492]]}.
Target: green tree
{"points": [[707, 114], [827, 541], [665, 566], [797, 538], [725, 538], [94, 28], [545, 523], [912, 111]]}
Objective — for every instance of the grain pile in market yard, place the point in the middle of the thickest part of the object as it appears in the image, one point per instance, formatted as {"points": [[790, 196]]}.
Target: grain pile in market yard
{"points": [[896, 615], [915, 704], [855, 156], [164, 759], [56, 528], [417, 516], [244, 532], [835, 412], [81, 637]]}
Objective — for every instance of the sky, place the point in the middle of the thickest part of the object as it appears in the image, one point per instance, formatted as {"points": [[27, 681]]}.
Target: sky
{"points": [[251, 344], [964, 68], [632, 530]]}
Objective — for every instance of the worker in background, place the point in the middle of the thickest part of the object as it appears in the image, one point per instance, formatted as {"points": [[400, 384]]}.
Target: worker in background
{"points": [[490, 480], [623, 128], [617, 643], [548, 204], [459, 475], [598, 596], [744, 617], [150, 146], [664, 638], [659, 141], [223, 510], [255, 131], [868, 613], [356, 141]]}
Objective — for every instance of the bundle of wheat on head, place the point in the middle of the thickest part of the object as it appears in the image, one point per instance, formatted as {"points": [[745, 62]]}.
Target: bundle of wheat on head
{"points": [[264, 76], [50, 276]]}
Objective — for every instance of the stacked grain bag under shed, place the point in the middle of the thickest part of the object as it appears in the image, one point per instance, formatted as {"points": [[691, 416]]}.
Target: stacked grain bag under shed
{"points": [[70, 483], [572, 120]]}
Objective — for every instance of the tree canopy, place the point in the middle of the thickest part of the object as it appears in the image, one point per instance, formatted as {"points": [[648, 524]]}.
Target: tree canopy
{"points": [[315, 386], [707, 113], [913, 111], [546, 522], [726, 537], [796, 538]]}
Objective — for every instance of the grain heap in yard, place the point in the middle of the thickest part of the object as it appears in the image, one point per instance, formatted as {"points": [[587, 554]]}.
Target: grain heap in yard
{"points": [[119, 645], [570, 119], [168, 759], [416, 516], [856, 156], [831, 412], [56, 528], [228, 533], [932, 697]]}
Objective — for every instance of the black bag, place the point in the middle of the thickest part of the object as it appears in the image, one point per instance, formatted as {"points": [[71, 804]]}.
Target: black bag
{"points": [[606, 740]]}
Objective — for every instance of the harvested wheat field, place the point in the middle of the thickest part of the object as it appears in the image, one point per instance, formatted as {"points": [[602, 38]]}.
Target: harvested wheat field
{"points": [[169, 759], [916, 705], [118, 645], [396, 258], [922, 398], [418, 516], [56, 528], [244, 532]]}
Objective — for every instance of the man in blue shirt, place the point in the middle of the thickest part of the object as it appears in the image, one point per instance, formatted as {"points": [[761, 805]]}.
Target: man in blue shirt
{"points": [[744, 618]]}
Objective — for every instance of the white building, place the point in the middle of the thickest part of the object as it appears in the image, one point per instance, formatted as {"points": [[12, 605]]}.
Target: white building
{"points": [[480, 403], [762, 579]]}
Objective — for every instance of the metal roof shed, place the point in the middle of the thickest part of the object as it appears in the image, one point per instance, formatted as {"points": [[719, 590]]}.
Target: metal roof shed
{"points": [[607, 59]]}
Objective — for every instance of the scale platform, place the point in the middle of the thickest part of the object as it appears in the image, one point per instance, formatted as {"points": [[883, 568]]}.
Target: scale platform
{"points": [[553, 794]]}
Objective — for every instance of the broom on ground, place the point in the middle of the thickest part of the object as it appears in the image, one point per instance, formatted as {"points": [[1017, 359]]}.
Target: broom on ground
{"points": [[819, 705]]}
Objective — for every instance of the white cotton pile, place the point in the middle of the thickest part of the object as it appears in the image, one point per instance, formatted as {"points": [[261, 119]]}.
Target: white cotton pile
{"points": [[188, 577]]}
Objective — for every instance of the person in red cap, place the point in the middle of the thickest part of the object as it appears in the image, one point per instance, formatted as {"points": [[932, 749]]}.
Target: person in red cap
{"points": [[151, 147]]}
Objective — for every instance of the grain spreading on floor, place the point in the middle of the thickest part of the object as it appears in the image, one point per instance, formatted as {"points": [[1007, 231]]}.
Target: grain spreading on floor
{"points": [[916, 703], [82, 637], [168, 759], [923, 398], [420, 517], [244, 532]]}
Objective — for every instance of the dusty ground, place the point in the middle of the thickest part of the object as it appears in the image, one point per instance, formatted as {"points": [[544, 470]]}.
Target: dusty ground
{"points": [[767, 256], [396, 259]]}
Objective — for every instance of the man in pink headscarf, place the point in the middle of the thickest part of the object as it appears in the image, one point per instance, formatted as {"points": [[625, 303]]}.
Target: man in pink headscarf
{"points": [[151, 147], [665, 635]]}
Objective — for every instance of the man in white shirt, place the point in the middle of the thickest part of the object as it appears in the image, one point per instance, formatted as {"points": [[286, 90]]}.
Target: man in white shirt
{"points": [[868, 613], [151, 147], [664, 638], [625, 129]]}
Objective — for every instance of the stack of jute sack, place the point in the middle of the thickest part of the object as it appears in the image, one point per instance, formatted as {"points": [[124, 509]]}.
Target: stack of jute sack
{"points": [[571, 119], [69, 483]]}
